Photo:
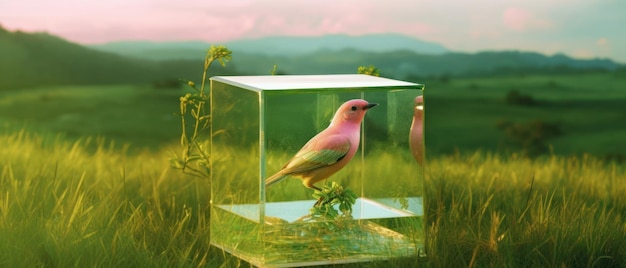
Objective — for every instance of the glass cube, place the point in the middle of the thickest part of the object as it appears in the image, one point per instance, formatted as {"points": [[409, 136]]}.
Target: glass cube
{"points": [[260, 122]]}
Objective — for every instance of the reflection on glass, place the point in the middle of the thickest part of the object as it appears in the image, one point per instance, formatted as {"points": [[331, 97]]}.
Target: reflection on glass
{"points": [[416, 135]]}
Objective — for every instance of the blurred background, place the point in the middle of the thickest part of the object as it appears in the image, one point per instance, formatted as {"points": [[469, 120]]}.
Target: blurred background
{"points": [[531, 77]]}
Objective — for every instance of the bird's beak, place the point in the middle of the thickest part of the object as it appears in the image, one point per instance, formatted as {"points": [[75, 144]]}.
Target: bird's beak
{"points": [[370, 105]]}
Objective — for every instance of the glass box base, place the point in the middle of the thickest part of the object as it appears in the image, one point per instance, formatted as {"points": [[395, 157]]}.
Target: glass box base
{"points": [[375, 231]]}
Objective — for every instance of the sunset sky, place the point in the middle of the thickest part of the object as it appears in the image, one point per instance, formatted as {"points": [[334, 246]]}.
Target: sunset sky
{"points": [[579, 28]]}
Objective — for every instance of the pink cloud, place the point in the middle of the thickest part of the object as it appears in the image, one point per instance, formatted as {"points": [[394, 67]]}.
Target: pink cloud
{"points": [[162, 20], [516, 18], [216, 21], [520, 19]]}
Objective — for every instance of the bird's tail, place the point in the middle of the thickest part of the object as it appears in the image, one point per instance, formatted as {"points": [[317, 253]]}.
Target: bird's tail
{"points": [[274, 179]]}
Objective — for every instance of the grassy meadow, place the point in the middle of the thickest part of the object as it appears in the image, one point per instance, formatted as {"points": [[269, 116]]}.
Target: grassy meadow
{"points": [[85, 179], [136, 115], [588, 108]]}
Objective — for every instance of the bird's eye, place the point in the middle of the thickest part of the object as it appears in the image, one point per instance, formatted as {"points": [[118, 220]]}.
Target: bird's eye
{"points": [[353, 108]]}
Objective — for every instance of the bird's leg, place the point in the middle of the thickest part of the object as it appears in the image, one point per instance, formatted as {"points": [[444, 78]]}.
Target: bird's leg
{"points": [[310, 185]]}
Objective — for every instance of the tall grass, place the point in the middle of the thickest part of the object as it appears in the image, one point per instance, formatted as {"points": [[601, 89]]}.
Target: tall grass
{"points": [[63, 205], [494, 211], [83, 203]]}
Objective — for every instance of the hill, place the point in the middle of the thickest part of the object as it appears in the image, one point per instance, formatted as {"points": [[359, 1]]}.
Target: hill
{"points": [[409, 65], [274, 46], [397, 56], [41, 59]]}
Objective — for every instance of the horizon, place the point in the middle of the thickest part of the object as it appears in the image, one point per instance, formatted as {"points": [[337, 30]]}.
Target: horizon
{"points": [[549, 28]]}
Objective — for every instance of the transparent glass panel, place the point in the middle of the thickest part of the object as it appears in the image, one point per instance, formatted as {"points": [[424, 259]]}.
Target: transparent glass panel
{"points": [[235, 168], [259, 123]]}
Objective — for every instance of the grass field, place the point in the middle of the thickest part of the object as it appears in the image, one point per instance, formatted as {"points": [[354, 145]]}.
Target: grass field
{"points": [[63, 205], [140, 116], [462, 113], [85, 179]]}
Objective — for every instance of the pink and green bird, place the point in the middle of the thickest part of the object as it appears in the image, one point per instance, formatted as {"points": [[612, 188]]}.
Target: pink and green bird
{"points": [[416, 135], [330, 150]]}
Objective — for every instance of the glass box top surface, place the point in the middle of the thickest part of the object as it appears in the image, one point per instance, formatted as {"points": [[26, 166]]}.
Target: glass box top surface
{"points": [[290, 82]]}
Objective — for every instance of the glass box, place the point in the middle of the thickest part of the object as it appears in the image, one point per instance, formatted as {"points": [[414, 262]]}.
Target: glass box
{"points": [[260, 122]]}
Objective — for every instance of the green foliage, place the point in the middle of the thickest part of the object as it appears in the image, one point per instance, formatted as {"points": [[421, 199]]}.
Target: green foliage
{"points": [[330, 197], [532, 137], [370, 70], [516, 98], [195, 157], [399, 195]]}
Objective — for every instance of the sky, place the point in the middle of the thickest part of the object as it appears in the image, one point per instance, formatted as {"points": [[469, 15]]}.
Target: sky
{"points": [[578, 28]]}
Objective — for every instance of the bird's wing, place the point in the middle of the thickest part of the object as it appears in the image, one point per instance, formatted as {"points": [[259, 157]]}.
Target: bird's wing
{"points": [[318, 153]]}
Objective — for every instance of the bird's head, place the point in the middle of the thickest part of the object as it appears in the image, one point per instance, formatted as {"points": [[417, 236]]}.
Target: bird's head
{"points": [[419, 106], [352, 111]]}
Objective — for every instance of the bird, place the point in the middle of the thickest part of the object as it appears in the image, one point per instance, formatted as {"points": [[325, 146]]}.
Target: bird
{"points": [[416, 134], [328, 151]]}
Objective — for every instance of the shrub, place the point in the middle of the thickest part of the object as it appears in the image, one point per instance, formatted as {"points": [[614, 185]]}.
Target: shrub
{"points": [[532, 136], [516, 98]]}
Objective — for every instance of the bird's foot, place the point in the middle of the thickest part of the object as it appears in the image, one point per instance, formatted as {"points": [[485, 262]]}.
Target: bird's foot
{"points": [[319, 202]]}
